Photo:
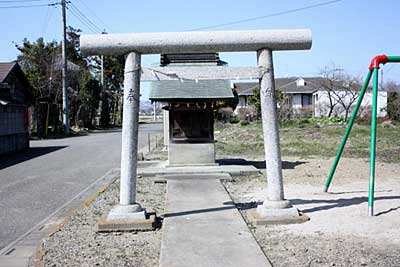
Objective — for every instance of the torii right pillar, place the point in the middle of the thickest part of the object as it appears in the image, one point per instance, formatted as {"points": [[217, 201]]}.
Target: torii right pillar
{"points": [[275, 206]]}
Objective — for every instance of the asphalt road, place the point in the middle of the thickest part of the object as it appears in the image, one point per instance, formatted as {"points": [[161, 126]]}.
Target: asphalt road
{"points": [[35, 183]]}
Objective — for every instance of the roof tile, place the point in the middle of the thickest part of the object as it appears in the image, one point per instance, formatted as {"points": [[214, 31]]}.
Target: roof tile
{"points": [[5, 68], [202, 89]]}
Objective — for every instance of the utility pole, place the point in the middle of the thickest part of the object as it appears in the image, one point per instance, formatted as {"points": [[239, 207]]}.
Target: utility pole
{"points": [[102, 72], [102, 95], [154, 111], [102, 67], [102, 88], [64, 70]]}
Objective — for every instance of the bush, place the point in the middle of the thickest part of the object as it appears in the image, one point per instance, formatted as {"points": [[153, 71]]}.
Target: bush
{"points": [[224, 114], [326, 120], [248, 113], [313, 121], [305, 112], [366, 120], [234, 119], [393, 106]]}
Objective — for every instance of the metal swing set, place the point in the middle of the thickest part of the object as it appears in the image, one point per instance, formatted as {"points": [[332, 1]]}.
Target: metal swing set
{"points": [[372, 72]]}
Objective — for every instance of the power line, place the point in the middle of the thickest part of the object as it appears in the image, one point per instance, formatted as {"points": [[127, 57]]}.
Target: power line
{"points": [[94, 14], [266, 16], [389, 69], [49, 14], [83, 17], [28, 6], [45, 21], [74, 10], [84, 23], [19, 1]]}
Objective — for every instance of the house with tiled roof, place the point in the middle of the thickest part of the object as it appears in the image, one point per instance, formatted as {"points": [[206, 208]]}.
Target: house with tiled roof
{"points": [[15, 101], [310, 94]]}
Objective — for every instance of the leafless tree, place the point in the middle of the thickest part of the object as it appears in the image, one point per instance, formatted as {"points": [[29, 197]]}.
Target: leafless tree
{"points": [[342, 90], [347, 97]]}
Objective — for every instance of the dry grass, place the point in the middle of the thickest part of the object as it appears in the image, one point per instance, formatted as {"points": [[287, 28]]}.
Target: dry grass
{"points": [[308, 141]]}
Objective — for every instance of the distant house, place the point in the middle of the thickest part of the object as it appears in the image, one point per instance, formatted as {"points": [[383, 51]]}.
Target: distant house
{"points": [[15, 101], [309, 95], [244, 91]]}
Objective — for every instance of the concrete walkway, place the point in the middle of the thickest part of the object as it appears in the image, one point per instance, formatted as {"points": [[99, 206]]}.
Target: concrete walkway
{"points": [[203, 228]]}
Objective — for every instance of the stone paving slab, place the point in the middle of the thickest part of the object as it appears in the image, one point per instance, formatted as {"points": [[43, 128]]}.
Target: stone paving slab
{"points": [[203, 228], [160, 169], [202, 176]]}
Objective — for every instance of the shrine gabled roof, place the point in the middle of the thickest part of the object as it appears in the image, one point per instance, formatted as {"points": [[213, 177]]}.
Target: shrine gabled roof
{"points": [[185, 90]]}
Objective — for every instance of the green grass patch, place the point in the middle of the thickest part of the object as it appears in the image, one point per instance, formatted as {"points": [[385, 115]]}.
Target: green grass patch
{"points": [[309, 140]]}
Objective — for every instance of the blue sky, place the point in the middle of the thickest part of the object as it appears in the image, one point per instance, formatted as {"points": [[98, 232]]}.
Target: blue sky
{"points": [[347, 33]]}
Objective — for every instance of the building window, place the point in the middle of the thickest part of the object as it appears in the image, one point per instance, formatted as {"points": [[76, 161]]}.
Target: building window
{"points": [[306, 100]]}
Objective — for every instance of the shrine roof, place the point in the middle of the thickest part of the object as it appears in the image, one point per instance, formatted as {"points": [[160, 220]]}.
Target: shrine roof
{"points": [[186, 90]]}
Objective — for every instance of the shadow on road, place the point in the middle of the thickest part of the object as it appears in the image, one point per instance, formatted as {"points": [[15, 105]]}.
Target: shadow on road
{"points": [[257, 164], [33, 152]]}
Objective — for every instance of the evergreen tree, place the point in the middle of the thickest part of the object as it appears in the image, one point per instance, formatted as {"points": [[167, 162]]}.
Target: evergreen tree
{"points": [[89, 96]]}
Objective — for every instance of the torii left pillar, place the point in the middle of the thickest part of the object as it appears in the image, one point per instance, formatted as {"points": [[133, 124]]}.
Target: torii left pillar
{"points": [[275, 205], [128, 209]]}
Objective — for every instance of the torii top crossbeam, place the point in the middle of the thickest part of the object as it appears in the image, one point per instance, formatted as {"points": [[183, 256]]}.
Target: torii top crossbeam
{"points": [[192, 42]]}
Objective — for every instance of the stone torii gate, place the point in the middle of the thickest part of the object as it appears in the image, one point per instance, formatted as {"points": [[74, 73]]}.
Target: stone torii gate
{"points": [[133, 45]]}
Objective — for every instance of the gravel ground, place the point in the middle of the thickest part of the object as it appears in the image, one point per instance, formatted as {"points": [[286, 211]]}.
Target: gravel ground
{"points": [[77, 244], [339, 232]]}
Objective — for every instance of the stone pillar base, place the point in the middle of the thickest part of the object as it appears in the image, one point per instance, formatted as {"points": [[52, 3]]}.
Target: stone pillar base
{"points": [[270, 212], [276, 212], [276, 204], [127, 213], [127, 218]]}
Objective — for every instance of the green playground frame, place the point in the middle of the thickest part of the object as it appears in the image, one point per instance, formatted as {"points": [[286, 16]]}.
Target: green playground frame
{"points": [[372, 72]]}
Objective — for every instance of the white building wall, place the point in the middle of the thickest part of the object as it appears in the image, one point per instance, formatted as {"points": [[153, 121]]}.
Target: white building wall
{"points": [[243, 101], [322, 104], [242, 104]]}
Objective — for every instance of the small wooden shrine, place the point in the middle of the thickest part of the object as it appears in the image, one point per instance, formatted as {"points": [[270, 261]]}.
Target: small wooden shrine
{"points": [[190, 105]]}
